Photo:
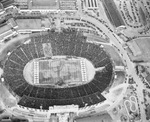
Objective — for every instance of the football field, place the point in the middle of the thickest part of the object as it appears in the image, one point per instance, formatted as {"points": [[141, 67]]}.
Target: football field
{"points": [[59, 72]]}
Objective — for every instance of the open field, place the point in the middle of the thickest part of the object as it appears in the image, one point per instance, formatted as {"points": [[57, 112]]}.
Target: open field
{"points": [[6, 97], [59, 71], [100, 118], [144, 45], [44, 2], [29, 23], [119, 80], [114, 55]]}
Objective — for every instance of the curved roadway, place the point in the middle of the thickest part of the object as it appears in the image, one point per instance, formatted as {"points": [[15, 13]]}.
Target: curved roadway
{"points": [[114, 40]]}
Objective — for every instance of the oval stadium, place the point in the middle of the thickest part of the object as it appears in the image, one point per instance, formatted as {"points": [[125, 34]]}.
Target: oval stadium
{"points": [[58, 59], [74, 61]]}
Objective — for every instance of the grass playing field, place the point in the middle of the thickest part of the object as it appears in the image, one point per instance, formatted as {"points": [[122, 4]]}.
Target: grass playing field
{"points": [[59, 72]]}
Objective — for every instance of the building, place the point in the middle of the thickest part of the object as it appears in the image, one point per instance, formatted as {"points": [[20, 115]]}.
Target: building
{"points": [[6, 29], [91, 4]]}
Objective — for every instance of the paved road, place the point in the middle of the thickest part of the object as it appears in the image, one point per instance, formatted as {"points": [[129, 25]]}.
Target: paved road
{"points": [[130, 66]]}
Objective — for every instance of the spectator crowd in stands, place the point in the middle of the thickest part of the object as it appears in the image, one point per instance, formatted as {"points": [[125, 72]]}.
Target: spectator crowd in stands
{"points": [[69, 43]]}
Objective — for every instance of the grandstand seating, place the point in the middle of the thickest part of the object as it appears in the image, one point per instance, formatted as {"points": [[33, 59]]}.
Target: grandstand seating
{"points": [[19, 52], [33, 50], [34, 91], [40, 51], [65, 43], [13, 64], [16, 59], [26, 50], [40, 92], [33, 102], [20, 89], [28, 90]]}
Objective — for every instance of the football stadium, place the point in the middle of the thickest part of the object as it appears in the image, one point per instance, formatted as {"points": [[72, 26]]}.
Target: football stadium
{"points": [[74, 61], [64, 77]]}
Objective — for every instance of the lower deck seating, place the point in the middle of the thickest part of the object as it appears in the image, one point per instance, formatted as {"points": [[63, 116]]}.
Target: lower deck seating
{"points": [[14, 65], [40, 51], [27, 51], [21, 54], [20, 89], [38, 103], [13, 57], [33, 51]]}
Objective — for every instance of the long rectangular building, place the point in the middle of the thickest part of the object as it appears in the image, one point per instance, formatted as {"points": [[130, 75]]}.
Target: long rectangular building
{"points": [[112, 13], [6, 29], [42, 5], [37, 4], [67, 4]]}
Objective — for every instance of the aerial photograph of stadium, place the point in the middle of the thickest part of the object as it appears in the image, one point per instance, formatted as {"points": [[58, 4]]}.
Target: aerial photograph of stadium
{"points": [[74, 60]]}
